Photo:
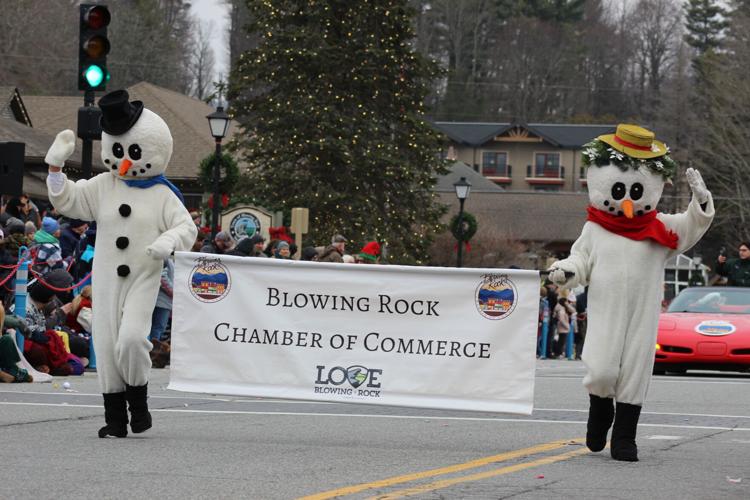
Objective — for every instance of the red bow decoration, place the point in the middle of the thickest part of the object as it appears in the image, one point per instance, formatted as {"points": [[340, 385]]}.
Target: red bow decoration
{"points": [[224, 201], [279, 233]]}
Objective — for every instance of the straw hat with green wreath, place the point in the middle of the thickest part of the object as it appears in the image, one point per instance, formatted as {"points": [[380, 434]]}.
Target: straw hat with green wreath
{"points": [[633, 147]]}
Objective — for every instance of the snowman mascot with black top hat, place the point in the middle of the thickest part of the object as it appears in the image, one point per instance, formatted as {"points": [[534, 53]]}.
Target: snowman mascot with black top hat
{"points": [[141, 220], [620, 255]]}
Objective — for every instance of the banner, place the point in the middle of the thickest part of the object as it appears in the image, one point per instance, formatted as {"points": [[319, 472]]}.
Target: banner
{"points": [[459, 339]]}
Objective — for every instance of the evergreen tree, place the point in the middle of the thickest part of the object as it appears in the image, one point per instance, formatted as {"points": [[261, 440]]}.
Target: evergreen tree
{"points": [[705, 21], [331, 105]]}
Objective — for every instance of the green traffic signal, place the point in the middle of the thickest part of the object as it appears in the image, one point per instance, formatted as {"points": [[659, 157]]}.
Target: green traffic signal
{"points": [[94, 76]]}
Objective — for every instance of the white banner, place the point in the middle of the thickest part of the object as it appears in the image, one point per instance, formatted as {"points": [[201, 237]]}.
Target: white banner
{"points": [[459, 339]]}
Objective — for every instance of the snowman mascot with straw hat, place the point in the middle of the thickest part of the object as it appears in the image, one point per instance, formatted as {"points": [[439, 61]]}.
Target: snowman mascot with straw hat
{"points": [[141, 220], [620, 255]]}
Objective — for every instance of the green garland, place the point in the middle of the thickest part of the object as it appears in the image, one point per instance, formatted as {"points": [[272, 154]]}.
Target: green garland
{"points": [[230, 173], [600, 154], [469, 229]]}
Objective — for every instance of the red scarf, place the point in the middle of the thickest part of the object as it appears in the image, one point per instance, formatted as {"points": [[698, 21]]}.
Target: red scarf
{"points": [[638, 228]]}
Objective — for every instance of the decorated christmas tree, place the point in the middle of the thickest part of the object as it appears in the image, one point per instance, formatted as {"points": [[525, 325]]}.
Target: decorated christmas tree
{"points": [[331, 103]]}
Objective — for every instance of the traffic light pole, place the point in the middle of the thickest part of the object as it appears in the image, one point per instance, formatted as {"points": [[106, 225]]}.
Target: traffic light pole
{"points": [[86, 154]]}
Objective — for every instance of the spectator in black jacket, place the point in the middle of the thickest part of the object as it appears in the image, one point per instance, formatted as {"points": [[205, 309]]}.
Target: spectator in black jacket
{"points": [[71, 236]]}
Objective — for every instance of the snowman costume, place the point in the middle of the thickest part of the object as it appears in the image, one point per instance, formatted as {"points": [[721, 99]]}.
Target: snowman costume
{"points": [[141, 220], [620, 255]]}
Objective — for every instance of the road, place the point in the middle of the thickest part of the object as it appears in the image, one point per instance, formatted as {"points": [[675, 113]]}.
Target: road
{"points": [[694, 441]]}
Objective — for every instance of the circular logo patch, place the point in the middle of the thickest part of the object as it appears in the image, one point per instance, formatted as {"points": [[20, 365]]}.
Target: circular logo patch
{"points": [[496, 297], [210, 280], [715, 328], [244, 224]]}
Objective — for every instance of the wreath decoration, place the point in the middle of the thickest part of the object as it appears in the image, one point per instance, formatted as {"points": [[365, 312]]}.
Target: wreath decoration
{"points": [[599, 153], [229, 173], [469, 223]]}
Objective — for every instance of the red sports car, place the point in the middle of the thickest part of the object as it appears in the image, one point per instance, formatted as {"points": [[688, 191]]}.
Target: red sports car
{"points": [[705, 328]]}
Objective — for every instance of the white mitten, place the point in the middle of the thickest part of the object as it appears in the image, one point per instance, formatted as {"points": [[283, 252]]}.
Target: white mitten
{"points": [[557, 272], [61, 149], [700, 191], [159, 250]]}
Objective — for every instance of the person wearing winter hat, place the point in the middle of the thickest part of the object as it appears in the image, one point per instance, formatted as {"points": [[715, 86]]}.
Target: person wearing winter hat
{"points": [[243, 248], [335, 251], [281, 251], [370, 253], [47, 247], [309, 253], [257, 242]]}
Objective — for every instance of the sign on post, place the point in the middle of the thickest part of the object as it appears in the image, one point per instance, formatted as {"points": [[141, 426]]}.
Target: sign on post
{"points": [[300, 221]]}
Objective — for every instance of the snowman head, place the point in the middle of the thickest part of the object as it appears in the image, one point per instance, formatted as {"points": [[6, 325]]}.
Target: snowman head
{"points": [[627, 193], [136, 142], [627, 171]]}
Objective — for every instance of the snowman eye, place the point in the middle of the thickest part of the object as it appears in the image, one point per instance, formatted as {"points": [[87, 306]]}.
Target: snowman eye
{"points": [[117, 150], [636, 191], [618, 191], [134, 151]]}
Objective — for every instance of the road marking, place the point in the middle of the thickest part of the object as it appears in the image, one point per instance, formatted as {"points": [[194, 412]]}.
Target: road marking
{"points": [[287, 401], [665, 438], [445, 483], [711, 415], [480, 462], [426, 418]]}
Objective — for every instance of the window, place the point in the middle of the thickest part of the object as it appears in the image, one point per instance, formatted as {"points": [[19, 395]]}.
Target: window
{"points": [[547, 165], [547, 187], [495, 164]]}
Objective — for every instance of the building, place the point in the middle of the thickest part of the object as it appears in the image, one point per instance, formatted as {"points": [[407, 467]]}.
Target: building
{"points": [[528, 183], [524, 157]]}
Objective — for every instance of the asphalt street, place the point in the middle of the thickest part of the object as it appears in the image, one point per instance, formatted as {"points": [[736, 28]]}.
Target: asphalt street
{"points": [[694, 442]]}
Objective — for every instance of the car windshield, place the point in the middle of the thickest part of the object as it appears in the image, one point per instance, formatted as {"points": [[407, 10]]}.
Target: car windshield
{"points": [[712, 300]]}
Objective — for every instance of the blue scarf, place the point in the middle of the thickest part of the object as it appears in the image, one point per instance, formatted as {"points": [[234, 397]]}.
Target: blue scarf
{"points": [[152, 181]]}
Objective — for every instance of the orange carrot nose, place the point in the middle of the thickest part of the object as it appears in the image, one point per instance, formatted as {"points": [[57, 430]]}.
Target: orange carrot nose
{"points": [[125, 166], [627, 208]]}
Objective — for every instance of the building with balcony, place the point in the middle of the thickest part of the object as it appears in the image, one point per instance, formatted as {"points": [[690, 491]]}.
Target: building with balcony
{"points": [[523, 157]]}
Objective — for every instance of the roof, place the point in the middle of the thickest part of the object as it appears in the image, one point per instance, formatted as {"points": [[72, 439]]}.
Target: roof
{"points": [[36, 143], [569, 136], [185, 116], [12, 107], [526, 215], [479, 183]]}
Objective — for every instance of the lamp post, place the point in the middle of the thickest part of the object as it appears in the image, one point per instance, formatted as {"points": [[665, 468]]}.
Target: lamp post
{"points": [[218, 121], [462, 187]]}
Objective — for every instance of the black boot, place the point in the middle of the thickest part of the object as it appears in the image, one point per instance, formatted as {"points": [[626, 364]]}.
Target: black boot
{"points": [[601, 414], [140, 418], [115, 415], [623, 433]]}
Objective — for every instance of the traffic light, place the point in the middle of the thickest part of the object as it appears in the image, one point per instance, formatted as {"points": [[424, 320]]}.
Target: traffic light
{"points": [[93, 47]]}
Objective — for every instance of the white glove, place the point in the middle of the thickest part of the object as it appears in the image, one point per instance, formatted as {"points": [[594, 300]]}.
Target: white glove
{"points": [[557, 273], [700, 192], [159, 250], [61, 149]]}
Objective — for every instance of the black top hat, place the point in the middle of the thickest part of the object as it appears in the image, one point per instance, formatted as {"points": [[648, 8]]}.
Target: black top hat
{"points": [[119, 114]]}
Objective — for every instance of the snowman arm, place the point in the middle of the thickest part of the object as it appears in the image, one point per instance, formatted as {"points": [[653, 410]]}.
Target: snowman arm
{"points": [[178, 230], [690, 225], [579, 260], [78, 200]]}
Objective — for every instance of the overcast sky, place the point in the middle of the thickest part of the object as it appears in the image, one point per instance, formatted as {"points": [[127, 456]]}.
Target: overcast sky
{"points": [[216, 11]]}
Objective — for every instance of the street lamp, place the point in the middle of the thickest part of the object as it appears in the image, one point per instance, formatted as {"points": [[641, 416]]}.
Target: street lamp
{"points": [[218, 121], [462, 187]]}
